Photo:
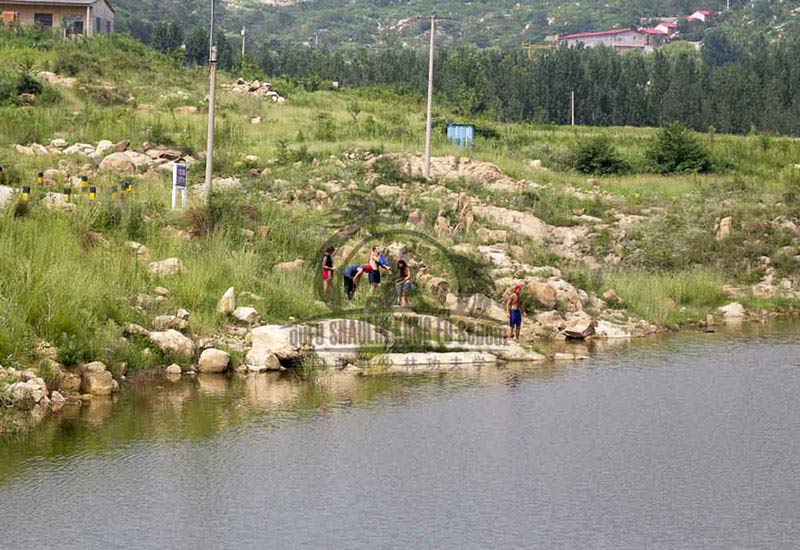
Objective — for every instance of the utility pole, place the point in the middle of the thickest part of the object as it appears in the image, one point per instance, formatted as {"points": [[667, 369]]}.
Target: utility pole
{"points": [[211, 30], [212, 100], [244, 38], [572, 107], [426, 170]]}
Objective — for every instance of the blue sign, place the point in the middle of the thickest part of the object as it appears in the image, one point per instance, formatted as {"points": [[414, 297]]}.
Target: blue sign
{"points": [[180, 176]]}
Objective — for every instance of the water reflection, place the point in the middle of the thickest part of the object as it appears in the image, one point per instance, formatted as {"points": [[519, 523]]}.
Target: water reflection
{"points": [[157, 408]]}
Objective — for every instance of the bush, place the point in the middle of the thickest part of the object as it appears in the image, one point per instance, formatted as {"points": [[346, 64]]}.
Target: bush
{"points": [[598, 155], [675, 150], [29, 85]]}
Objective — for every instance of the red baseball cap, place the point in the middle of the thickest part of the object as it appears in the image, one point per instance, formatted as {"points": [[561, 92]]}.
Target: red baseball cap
{"points": [[517, 288]]}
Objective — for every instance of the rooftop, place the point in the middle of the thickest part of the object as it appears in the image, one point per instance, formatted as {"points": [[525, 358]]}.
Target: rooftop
{"points": [[595, 33]]}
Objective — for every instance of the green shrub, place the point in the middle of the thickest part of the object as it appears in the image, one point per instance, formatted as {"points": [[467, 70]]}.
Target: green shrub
{"points": [[675, 150], [73, 63], [598, 155]]}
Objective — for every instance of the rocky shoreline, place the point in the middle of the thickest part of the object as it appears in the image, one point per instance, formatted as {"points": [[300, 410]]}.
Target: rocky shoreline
{"points": [[471, 225]]}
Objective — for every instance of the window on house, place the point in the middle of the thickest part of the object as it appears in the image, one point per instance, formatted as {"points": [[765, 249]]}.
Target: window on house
{"points": [[43, 19], [96, 25], [73, 25]]}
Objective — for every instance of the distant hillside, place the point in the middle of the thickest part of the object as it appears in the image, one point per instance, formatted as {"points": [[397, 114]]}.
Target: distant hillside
{"points": [[485, 23]]}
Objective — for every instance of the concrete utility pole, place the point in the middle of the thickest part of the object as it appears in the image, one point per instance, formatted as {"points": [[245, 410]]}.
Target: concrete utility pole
{"points": [[244, 38], [211, 29], [426, 170], [212, 100]]}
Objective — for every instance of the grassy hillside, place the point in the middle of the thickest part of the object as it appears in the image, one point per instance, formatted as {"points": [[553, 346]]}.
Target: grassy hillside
{"points": [[503, 23], [72, 279]]}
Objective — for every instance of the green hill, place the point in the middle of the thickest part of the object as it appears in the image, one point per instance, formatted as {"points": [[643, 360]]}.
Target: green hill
{"points": [[503, 23]]}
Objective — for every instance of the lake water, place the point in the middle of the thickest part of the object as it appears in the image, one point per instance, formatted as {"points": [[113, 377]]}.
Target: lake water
{"points": [[691, 441]]}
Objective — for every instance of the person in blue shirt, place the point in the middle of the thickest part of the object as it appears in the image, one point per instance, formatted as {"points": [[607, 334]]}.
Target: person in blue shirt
{"points": [[351, 276], [377, 261]]}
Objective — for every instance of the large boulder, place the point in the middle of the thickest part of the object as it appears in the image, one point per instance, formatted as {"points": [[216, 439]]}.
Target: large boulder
{"points": [[118, 163], [246, 315], [166, 268], [285, 342], [543, 293], [69, 381], [94, 366], [104, 146], [733, 311], [579, 329], [213, 360], [97, 383], [172, 342], [25, 395], [173, 370], [227, 304]]}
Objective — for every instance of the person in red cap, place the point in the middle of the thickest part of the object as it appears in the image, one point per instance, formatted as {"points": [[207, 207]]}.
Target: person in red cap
{"points": [[351, 275], [514, 309]]}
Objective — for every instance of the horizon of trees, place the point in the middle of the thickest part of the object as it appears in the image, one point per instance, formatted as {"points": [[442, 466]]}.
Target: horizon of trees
{"points": [[732, 85]]}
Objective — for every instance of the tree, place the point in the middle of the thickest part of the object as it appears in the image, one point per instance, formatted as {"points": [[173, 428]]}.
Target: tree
{"points": [[675, 150]]}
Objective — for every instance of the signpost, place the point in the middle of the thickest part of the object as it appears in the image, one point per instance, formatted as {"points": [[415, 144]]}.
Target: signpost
{"points": [[180, 182]]}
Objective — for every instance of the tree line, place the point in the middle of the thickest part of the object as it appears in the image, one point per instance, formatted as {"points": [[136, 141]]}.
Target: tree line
{"points": [[731, 86]]}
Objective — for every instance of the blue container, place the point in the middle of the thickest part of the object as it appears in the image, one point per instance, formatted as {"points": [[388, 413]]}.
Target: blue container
{"points": [[462, 135]]}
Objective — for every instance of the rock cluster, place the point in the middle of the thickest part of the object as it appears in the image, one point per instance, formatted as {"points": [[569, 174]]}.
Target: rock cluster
{"points": [[255, 88], [117, 157]]}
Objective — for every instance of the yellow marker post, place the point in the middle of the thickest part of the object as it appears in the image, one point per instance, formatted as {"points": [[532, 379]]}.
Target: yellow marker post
{"points": [[84, 184], [40, 178], [67, 194], [92, 193], [26, 193]]}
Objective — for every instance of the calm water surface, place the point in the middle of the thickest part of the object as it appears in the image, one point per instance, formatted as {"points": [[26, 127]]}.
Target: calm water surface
{"points": [[688, 442]]}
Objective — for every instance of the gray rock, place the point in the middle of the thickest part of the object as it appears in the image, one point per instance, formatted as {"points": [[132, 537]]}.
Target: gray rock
{"points": [[247, 315], [173, 369], [25, 395], [213, 360], [172, 341], [118, 163], [97, 383], [227, 304], [166, 268]]}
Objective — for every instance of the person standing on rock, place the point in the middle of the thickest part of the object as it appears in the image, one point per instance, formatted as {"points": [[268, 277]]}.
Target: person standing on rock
{"points": [[377, 261], [351, 276], [327, 269], [403, 283], [514, 309]]}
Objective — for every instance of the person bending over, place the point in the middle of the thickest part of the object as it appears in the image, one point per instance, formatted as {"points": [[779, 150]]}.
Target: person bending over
{"points": [[351, 276]]}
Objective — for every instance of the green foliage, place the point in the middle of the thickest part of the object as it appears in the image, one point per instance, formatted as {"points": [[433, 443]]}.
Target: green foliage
{"points": [[675, 150], [598, 155], [670, 298]]}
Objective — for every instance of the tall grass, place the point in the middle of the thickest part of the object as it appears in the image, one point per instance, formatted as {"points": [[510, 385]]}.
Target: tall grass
{"points": [[670, 298]]}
